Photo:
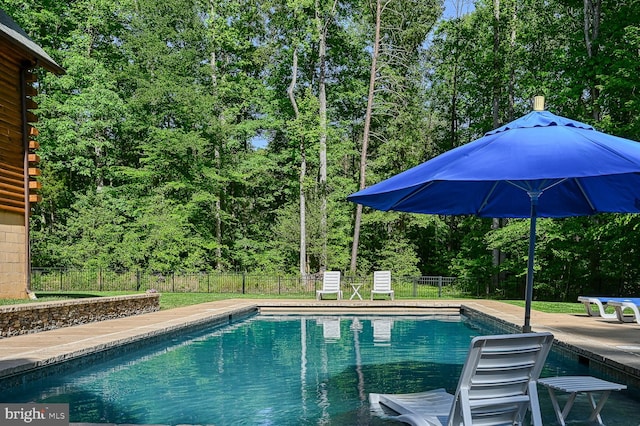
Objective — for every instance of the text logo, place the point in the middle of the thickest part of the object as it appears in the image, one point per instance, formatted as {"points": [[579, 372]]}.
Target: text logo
{"points": [[34, 414]]}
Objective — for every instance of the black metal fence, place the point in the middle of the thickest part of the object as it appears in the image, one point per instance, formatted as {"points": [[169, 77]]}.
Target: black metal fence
{"points": [[70, 280]]}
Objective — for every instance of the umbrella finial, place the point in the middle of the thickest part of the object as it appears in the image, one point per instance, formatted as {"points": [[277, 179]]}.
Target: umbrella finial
{"points": [[538, 103]]}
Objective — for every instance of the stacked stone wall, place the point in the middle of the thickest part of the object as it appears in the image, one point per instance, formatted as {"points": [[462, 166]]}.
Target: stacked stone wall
{"points": [[34, 317]]}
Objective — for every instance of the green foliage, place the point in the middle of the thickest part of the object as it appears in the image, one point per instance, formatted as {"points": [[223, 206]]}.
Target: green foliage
{"points": [[472, 260], [147, 140]]}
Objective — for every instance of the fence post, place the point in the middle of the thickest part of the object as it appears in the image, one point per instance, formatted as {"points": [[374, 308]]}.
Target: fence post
{"points": [[243, 281], [439, 285], [279, 291], [415, 287]]}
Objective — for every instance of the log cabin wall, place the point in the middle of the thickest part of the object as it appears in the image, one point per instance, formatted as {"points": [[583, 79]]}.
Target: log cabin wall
{"points": [[13, 204], [19, 56]]}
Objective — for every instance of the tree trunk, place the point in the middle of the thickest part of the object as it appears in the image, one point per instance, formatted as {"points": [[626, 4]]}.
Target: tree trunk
{"points": [[454, 91], [454, 107], [217, 205], [497, 65], [592, 16], [592, 11], [303, 169], [365, 136], [512, 70], [218, 218], [322, 99]]}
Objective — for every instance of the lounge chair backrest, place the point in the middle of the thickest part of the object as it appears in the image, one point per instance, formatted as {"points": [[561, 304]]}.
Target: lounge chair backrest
{"points": [[498, 382], [382, 281], [331, 281]]}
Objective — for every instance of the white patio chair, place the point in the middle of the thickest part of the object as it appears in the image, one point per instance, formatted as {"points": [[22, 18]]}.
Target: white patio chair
{"points": [[632, 304], [601, 303], [382, 284], [330, 285], [498, 384]]}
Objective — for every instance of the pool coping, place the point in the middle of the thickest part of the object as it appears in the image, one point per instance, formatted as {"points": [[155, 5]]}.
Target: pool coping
{"points": [[604, 344], [28, 352]]}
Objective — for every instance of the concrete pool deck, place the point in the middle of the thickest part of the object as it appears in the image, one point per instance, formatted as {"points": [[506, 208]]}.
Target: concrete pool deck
{"points": [[599, 342]]}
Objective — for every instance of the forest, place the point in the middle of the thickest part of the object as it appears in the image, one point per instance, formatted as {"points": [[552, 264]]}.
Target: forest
{"points": [[225, 135]]}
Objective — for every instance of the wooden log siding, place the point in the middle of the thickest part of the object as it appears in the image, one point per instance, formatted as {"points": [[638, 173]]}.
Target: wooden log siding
{"points": [[12, 190], [19, 56]]}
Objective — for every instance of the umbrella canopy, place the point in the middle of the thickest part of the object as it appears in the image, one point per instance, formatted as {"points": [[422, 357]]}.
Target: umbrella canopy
{"points": [[540, 165]]}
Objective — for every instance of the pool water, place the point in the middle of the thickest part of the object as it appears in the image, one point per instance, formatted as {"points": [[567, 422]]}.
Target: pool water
{"points": [[286, 370]]}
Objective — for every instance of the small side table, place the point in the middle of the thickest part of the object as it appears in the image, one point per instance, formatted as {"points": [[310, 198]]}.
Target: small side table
{"points": [[356, 291], [575, 385]]}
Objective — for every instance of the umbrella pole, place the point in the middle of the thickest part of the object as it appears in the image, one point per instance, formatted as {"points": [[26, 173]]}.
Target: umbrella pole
{"points": [[526, 328]]}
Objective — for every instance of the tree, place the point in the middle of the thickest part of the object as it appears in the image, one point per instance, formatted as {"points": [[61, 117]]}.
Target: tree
{"points": [[365, 136], [403, 29], [322, 25], [147, 141]]}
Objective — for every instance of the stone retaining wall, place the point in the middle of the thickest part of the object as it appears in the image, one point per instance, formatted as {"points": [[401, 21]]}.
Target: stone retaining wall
{"points": [[34, 317]]}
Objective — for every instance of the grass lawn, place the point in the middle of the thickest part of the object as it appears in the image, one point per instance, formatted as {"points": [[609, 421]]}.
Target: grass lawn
{"points": [[167, 300], [552, 307], [176, 300]]}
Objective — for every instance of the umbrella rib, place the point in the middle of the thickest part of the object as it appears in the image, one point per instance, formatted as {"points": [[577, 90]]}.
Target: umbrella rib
{"points": [[486, 199], [540, 190], [558, 182], [411, 194], [584, 194], [518, 186]]}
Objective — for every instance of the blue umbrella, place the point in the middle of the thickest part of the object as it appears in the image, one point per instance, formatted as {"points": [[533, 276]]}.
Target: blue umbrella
{"points": [[540, 165]]}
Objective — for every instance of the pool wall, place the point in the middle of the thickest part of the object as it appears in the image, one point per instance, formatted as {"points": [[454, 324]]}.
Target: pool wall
{"points": [[34, 317], [500, 324]]}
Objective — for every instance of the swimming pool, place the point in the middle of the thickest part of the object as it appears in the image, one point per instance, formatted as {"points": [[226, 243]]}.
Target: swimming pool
{"points": [[283, 370]]}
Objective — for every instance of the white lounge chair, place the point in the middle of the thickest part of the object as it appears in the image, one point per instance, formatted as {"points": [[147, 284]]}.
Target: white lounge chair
{"points": [[330, 285], [382, 283], [498, 384], [601, 303], [621, 305]]}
